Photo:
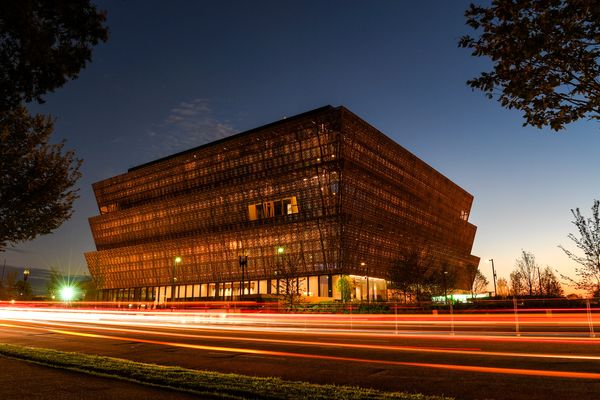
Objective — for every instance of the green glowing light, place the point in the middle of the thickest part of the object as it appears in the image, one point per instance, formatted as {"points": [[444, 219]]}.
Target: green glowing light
{"points": [[67, 293], [280, 250]]}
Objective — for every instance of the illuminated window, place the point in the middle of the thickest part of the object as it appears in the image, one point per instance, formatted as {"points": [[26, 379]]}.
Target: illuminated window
{"points": [[108, 208], [270, 209]]}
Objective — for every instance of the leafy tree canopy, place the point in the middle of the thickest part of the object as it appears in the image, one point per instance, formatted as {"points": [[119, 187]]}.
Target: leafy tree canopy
{"points": [[43, 44], [545, 57], [36, 178], [417, 276]]}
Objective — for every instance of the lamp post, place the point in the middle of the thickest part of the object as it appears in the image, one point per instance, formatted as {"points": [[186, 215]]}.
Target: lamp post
{"points": [[282, 274], [540, 281], [445, 288], [493, 276], [362, 264], [25, 275], [243, 265], [176, 261]]}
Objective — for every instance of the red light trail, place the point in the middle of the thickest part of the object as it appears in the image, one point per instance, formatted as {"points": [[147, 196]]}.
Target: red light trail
{"points": [[183, 329]]}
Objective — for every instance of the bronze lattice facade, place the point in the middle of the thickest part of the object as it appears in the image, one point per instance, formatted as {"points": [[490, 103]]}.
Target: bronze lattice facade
{"points": [[321, 194]]}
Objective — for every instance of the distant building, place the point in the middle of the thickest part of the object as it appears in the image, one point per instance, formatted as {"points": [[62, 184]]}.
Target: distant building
{"points": [[306, 199]]}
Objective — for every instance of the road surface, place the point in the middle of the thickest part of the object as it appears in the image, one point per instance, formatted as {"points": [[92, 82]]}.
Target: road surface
{"points": [[535, 355]]}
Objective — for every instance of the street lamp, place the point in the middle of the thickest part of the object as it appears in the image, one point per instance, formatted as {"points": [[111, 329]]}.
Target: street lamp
{"points": [[243, 265], [362, 264], [176, 261], [493, 275], [25, 275], [445, 288]]}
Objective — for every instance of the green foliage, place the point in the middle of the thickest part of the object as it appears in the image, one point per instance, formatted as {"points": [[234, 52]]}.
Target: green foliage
{"points": [[363, 307], [54, 283], [545, 57], [344, 286], [58, 281], [588, 242], [44, 44], [36, 183], [206, 384]]}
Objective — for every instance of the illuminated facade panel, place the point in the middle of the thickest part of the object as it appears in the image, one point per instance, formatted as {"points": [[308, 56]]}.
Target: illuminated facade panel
{"points": [[310, 198]]}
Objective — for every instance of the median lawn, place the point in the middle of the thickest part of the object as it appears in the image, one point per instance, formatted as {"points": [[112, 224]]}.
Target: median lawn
{"points": [[205, 383]]}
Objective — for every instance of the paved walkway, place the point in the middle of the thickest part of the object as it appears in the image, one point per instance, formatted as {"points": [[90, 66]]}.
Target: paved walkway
{"points": [[20, 380]]}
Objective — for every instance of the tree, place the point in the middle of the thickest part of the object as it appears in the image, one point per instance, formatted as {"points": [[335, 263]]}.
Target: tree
{"points": [[344, 285], [55, 283], [588, 242], [89, 289], [443, 281], [288, 272], [11, 285], [549, 284], [516, 283], [23, 290], [528, 271], [545, 57], [44, 44], [36, 178], [403, 276], [480, 283], [417, 276], [502, 287], [2, 291]]}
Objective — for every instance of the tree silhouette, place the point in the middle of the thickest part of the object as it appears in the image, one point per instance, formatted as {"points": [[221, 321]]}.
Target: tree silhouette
{"points": [[44, 44], [588, 242], [549, 283], [527, 270], [417, 276], [36, 178], [545, 57], [480, 283]]}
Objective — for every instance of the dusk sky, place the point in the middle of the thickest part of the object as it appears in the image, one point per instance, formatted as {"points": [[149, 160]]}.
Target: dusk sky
{"points": [[178, 74]]}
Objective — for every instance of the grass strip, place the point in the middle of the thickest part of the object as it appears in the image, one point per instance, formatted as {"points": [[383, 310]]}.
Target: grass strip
{"points": [[206, 383]]}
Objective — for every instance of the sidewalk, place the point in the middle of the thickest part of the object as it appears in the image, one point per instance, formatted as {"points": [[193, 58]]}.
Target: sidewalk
{"points": [[24, 380]]}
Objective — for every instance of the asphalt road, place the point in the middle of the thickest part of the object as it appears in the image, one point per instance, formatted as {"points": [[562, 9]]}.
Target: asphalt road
{"points": [[479, 357]]}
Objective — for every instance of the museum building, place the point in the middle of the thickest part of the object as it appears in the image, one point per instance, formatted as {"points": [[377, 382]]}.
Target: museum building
{"points": [[296, 203]]}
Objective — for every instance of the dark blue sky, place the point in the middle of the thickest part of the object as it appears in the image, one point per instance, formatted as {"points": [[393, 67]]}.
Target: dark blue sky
{"points": [[178, 74]]}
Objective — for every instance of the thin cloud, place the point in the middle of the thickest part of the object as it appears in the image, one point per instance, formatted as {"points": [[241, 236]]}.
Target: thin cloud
{"points": [[189, 124]]}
